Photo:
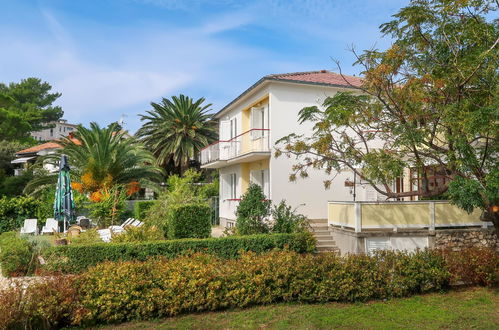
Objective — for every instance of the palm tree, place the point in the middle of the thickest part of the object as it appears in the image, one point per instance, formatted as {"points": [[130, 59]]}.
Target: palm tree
{"points": [[101, 158], [177, 129]]}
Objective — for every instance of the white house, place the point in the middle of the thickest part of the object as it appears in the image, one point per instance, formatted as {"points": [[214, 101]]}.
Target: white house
{"points": [[61, 129], [249, 127]]}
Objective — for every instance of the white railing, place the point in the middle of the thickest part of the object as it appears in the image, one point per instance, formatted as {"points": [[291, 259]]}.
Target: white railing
{"points": [[254, 140]]}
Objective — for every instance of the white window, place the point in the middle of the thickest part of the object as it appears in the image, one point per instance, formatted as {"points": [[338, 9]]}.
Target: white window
{"points": [[257, 122]]}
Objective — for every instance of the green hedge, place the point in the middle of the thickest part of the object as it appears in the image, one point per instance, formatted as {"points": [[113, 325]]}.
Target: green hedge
{"points": [[14, 210], [113, 292], [189, 221], [77, 258], [140, 209]]}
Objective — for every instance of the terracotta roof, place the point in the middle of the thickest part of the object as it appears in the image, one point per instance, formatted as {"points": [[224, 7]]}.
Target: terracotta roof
{"points": [[322, 77], [45, 146], [40, 147]]}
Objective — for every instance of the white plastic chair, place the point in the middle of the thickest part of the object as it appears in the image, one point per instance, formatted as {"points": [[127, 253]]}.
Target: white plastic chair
{"points": [[30, 227], [50, 226]]}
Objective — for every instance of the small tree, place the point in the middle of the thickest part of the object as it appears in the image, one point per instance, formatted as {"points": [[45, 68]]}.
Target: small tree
{"points": [[252, 212], [287, 220], [429, 103]]}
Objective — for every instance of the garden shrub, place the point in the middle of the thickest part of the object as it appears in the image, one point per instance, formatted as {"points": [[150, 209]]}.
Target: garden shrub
{"points": [[141, 208], [144, 233], [189, 221], [16, 255], [180, 191], [77, 258], [473, 266], [90, 236], [116, 292], [48, 304], [107, 207], [14, 210], [287, 220], [113, 292], [252, 212]]}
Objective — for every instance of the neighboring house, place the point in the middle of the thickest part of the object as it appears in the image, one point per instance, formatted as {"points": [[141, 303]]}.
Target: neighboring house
{"points": [[250, 126], [28, 156], [61, 129]]}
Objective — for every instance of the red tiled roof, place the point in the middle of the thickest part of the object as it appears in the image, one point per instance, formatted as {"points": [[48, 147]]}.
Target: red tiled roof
{"points": [[45, 146], [319, 77], [322, 77]]}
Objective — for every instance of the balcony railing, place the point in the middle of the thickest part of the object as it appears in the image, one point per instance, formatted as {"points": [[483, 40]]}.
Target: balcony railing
{"points": [[254, 140]]}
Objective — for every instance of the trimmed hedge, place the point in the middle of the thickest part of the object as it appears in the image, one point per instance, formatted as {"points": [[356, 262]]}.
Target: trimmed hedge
{"points": [[77, 258], [140, 209], [113, 292], [189, 221]]}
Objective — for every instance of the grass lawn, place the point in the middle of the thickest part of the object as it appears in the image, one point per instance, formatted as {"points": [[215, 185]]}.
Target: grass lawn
{"points": [[476, 308]]}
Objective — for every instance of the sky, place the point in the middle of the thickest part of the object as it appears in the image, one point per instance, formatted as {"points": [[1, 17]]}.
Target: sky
{"points": [[111, 58]]}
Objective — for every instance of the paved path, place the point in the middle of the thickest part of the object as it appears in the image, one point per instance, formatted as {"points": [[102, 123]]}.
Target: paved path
{"points": [[217, 231]]}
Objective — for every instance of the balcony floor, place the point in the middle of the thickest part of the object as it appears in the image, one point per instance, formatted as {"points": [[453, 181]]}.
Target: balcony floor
{"points": [[244, 158]]}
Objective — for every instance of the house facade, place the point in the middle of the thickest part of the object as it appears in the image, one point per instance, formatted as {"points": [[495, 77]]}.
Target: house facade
{"points": [[249, 127], [61, 129]]}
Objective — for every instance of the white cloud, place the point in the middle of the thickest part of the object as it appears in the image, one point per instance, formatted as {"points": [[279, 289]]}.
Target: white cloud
{"points": [[99, 81]]}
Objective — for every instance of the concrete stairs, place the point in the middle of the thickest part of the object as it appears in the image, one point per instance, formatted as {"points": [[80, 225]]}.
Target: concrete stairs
{"points": [[321, 232]]}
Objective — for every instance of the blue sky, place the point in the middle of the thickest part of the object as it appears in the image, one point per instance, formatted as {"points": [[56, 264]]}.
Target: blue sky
{"points": [[110, 58]]}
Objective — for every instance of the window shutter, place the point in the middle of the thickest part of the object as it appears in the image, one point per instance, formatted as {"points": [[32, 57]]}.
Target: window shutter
{"points": [[377, 243], [225, 130], [257, 122], [266, 183], [225, 186]]}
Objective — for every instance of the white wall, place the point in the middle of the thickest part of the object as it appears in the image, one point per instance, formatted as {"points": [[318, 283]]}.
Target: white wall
{"points": [[286, 101]]}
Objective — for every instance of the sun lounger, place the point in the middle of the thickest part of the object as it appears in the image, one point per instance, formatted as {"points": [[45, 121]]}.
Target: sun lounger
{"points": [[127, 222], [50, 226], [30, 227]]}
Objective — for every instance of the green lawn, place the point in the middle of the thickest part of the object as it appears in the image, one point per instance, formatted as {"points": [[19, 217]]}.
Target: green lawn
{"points": [[476, 308]]}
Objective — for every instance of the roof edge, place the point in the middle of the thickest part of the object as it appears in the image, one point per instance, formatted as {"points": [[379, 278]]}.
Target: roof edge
{"points": [[273, 77]]}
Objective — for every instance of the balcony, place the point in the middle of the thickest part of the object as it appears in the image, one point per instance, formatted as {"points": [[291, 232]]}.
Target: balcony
{"points": [[249, 146]]}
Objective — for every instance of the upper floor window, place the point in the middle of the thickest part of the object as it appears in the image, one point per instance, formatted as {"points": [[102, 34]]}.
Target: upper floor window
{"points": [[258, 122]]}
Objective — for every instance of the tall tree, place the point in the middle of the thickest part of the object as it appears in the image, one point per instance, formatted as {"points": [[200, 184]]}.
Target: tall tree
{"points": [[430, 103], [101, 158], [25, 107], [177, 129]]}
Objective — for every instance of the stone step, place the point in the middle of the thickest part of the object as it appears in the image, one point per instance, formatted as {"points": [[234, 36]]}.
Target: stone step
{"points": [[319, 224], [323, 228], [314, 221], [323, 236], [328, 249], [326, 243]]}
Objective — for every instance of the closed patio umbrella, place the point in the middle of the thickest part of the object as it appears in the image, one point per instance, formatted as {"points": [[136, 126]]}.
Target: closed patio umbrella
{"points": [[63, 203]]}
